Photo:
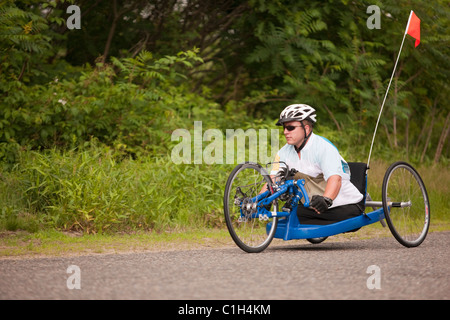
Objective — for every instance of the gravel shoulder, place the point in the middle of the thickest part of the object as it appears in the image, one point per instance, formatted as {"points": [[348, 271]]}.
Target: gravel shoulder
{"points": [[22, 245]]}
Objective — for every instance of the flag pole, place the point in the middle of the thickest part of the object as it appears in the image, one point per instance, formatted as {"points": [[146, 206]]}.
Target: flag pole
{"points": [[389, 85]]}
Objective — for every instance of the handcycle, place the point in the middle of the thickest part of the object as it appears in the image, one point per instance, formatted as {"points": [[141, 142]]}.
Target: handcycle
{"points": [[252, 202]]}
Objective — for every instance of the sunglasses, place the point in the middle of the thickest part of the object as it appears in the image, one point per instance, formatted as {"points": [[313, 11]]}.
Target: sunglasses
{"points": [[290, 128]]}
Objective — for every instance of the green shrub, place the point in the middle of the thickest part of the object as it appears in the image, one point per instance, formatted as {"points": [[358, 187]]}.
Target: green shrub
{"points": [[97, 190]]}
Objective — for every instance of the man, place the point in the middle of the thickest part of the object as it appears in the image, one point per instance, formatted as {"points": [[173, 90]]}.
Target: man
{"points": [[319, 161]]}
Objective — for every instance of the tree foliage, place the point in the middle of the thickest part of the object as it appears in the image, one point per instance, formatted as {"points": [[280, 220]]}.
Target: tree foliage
{"points": [[136, 70]]}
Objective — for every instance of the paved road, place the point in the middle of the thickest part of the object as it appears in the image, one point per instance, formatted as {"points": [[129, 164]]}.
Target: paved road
{"points": [[293, 270]]}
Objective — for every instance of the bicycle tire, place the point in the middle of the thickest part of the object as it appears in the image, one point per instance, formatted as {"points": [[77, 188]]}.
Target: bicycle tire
{"points": [[249, 234], [317, 240], [406, 204]]}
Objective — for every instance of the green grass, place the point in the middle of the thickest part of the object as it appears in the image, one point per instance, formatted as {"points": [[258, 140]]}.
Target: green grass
{"points": [[59, 243], [98, 191], [436, 179], [52, 243], [98, 200]]}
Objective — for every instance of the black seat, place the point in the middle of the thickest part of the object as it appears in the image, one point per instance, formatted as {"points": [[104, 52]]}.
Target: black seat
{"points": [[358, 176]]}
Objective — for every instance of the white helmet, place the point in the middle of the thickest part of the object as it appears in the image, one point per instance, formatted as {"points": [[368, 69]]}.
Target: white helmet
{"points": [[297, 112]]}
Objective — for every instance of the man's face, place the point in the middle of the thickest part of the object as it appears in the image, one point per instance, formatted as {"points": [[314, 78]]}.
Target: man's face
{"points": [[295, 136]]}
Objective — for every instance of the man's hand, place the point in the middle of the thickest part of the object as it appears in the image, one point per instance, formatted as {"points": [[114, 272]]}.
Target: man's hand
{"points": [[320, 204]]}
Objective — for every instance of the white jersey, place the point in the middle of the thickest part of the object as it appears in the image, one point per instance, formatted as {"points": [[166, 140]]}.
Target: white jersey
{"points": [[320, 156]]}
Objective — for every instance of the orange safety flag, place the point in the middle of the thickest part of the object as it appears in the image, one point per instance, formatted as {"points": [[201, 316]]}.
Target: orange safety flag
{"points": [[413, 28]]}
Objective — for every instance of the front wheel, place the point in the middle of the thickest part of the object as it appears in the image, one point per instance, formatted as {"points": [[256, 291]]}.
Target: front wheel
{"points": [[246, 228], [406, 205]]}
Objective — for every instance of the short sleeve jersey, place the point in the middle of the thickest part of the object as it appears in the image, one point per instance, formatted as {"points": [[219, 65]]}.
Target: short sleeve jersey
{"points": [[320, 156]]}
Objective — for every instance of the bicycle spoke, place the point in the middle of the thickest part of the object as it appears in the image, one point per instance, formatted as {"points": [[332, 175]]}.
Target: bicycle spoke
{"points": [[409, 224], [245, 227]]}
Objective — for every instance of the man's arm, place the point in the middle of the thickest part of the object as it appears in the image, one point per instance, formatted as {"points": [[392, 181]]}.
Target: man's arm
{"points": [[332, 188], [264, 188]]}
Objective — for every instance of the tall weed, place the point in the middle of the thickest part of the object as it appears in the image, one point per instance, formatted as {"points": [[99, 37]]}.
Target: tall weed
{"points": [[98, 189]]}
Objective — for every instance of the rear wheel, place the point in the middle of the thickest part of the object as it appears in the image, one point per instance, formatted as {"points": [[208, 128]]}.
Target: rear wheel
{"points": [[406, 205], [317, 240], [246, 228]]}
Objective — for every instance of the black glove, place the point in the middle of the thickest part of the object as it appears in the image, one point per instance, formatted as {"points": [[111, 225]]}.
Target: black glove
{"points": [[321, 204]]}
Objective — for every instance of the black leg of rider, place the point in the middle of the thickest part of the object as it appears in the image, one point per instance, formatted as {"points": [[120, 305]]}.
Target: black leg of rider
{"points": [[336, 214]]}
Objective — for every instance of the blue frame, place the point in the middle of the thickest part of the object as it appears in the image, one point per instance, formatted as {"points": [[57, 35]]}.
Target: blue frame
{"points": [[289, 227]]}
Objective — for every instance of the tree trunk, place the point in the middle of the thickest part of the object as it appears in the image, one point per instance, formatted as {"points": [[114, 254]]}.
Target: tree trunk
{"points": [[112, 30], [388, 136], [333, 118], [421, 134], [394, 120], [442, 139], [407, 138], [433, 118]]}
